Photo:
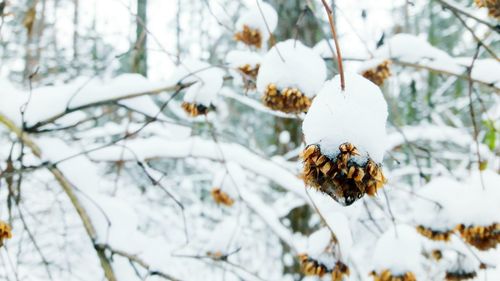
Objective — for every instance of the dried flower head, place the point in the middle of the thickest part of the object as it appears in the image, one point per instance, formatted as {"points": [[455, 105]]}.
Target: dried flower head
{"points": [[249, 75], [459, 275], [311, 266], [437, 255], [340, 271], [386, 275], [492, 5], [5, 232], [343, 178], [195, 109], [481, 237], [249, 36], [288, 100], [378, 74], [435, 235], [220, 197]]}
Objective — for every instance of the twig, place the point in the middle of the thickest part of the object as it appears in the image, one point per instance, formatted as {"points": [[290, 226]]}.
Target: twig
{"points": [[473, 113], [268, 29], [456, 9], [337, 46]]}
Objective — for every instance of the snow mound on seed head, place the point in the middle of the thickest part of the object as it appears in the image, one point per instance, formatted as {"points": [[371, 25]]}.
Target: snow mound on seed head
{"points": [[398, 250], [357, 115], [237, 58], [464, 202], [302, 68], [207, 81], [254, 19]]}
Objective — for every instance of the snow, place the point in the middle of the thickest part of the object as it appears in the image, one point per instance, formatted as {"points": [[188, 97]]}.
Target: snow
{"points": [[255, 19], [222, 237], [47, 102], [300, 68], [238, 58], [355, 51], [463, 202], [370, 64], [398, 250], [284, 137], [357, 115], [207, 81]]}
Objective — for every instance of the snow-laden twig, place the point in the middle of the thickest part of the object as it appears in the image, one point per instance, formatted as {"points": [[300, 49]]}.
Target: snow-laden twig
{"points": [[70, 192]]}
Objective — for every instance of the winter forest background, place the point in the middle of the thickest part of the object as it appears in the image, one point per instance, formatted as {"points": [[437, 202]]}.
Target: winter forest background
{"points": [[204, 140]]}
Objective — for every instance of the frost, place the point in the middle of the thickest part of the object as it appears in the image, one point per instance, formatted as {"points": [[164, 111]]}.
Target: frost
{"points": [[300, 68], [357, 115]]}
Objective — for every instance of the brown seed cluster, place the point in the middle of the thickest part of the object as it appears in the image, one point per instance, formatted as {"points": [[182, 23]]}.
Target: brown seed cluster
{"points": [[288, 100], [249, 75], [194, 109], [249, 36], [492, 5], [434, 234], [312, 267], [220, 197], [437, 255], [378, 74], [459, 276], [341, 178], [481, 237], [5, 232], [386, 275]]}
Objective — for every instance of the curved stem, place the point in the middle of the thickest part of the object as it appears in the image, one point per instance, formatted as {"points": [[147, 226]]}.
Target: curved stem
{"points": [[337, 46]]}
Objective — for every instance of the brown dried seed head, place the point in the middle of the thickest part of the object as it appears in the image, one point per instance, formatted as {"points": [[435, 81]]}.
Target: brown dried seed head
{"points": [[493, 7], [286, 100], [5, 232], [341, 178], [249, 36], [378, 74], [481, 237], [220, 197]]}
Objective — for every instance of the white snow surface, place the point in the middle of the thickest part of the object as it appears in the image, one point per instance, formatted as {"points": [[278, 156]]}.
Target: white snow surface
{"points": [[50, 101], [399, 250], [256, 18], [465, 202], [300, 68], [207, 81], [358, 115], [238, 58]]}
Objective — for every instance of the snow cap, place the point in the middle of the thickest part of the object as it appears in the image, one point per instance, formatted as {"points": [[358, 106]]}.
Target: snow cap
{"points": [[300, 68], [207, 80], [255, 19], [357, 115]]}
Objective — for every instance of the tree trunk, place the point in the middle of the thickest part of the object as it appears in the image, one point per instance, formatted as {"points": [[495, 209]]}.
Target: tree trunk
{"points": [[139, 63]]}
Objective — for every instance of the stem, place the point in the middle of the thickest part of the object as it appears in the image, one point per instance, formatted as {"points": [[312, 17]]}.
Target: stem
{"points": [[337, 46]]}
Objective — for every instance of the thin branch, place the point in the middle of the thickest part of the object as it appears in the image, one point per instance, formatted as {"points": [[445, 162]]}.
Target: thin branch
{"points": [[337, 45]]}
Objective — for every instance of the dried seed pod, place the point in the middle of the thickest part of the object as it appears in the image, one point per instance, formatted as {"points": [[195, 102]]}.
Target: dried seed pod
{"points": [[493, 7], [343, 178], [249, 36], [340, 271], [481, 237], [310, 266], [249, 75], [5, 232], [435, 235], [437, 255], [288, 100], [195, 109], [378, 74], [220, 197], [459, 275], [386, 275]]}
